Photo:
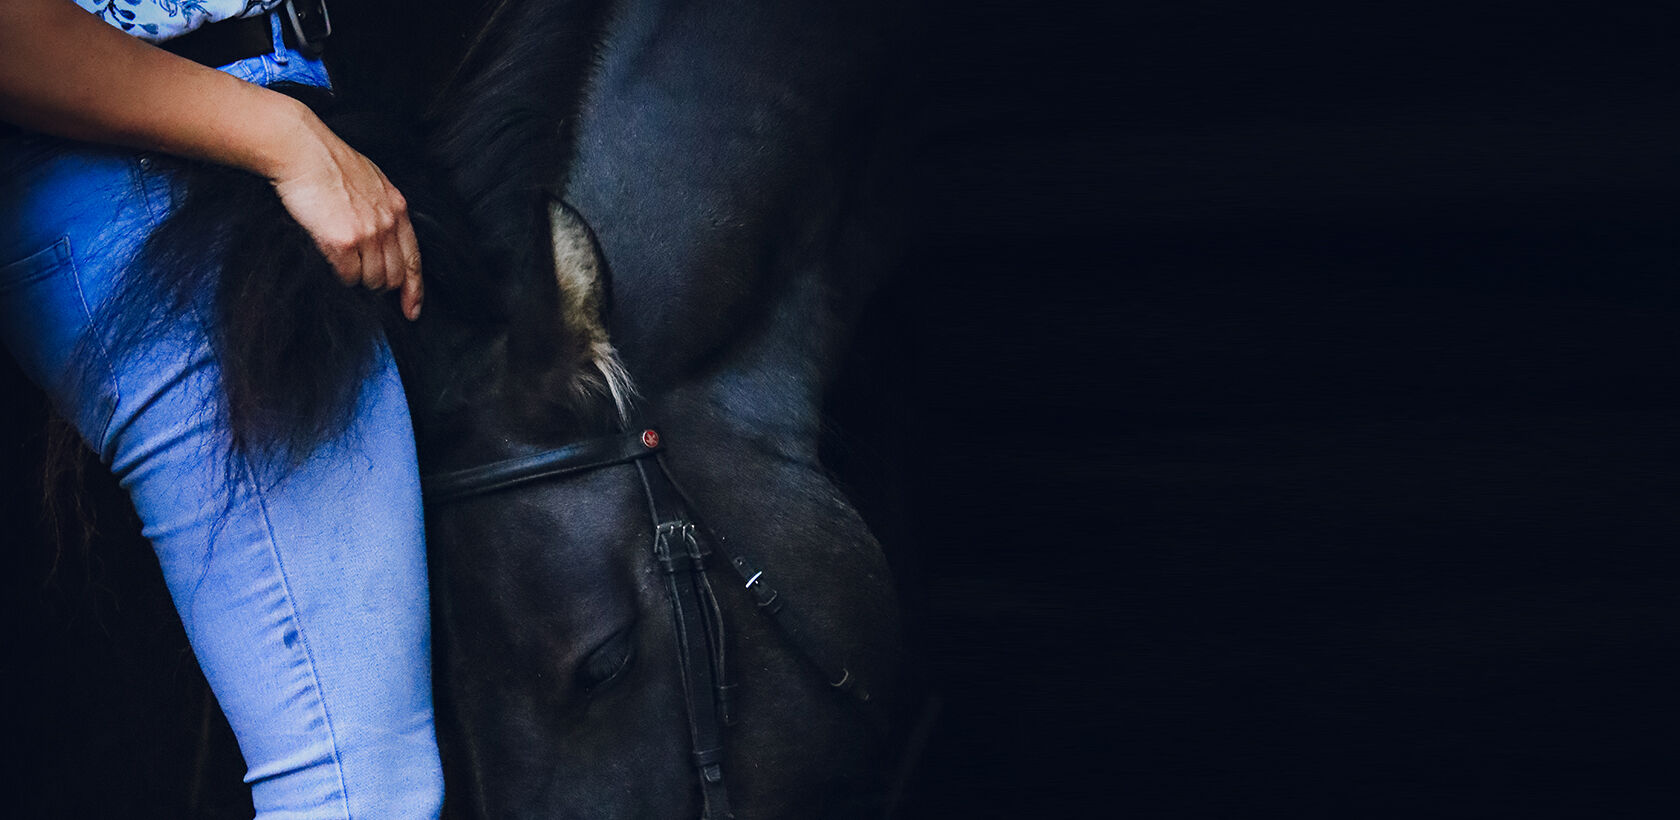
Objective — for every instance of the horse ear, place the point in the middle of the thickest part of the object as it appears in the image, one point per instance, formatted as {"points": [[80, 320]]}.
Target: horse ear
{"points": [[580, 273]]}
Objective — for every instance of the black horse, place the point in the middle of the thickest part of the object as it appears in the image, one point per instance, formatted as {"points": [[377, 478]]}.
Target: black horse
{"points": [[715, 162], [726, 157]]}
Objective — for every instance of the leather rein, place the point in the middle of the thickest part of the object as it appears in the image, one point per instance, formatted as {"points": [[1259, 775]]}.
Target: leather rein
{"points": [[681, 547]]}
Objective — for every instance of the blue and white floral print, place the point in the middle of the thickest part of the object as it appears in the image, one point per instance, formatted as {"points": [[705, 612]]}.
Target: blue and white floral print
{"points": [[159, 20]]}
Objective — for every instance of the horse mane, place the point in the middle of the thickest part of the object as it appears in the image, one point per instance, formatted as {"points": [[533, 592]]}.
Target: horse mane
{"points": [[294, 346], [504, 128]]}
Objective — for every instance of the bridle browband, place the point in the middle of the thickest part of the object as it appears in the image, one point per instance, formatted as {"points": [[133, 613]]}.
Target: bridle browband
{"points": [[681, 546]]}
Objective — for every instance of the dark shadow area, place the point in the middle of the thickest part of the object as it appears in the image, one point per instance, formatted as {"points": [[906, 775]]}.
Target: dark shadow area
{"points": [[1280, 407], [106, 712]]}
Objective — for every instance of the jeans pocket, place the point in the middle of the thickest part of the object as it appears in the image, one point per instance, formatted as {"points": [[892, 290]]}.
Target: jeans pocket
{"points": [[36, 266], [46, 324]]}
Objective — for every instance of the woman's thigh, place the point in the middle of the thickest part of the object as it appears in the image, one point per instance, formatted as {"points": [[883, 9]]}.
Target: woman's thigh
{"points": [[304, 596]]}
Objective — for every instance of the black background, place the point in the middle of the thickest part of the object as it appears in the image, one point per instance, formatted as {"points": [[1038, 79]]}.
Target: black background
{"points": [[1271, 415], [1289, 424]]}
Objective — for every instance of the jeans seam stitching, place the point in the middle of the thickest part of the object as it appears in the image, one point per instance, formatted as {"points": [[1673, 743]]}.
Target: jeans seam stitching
{"points": [[106, 361], [150, 193], [303, 636]]}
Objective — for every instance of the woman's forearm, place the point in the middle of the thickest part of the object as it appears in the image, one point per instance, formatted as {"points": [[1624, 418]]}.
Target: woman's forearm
{"points": [[64, 71]]}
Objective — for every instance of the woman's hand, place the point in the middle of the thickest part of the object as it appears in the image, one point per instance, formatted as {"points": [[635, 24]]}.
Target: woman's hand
{"points": [[64, 71], [358, 220]]}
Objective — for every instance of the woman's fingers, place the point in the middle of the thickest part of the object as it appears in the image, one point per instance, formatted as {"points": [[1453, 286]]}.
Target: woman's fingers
{"points": [[346, 261], [358, 220], [373, 263], [394, 274], [408, 249], [403, 263]]}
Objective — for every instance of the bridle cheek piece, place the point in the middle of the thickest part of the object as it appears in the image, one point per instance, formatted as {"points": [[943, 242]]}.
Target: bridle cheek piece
{"points": [[681, 547]]}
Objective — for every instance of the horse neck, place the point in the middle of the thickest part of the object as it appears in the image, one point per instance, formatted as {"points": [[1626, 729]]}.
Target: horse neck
{"points": [[716, 186]]}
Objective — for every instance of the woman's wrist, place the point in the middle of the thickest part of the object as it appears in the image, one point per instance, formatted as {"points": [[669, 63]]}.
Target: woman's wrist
{"points": [[284, 138]]}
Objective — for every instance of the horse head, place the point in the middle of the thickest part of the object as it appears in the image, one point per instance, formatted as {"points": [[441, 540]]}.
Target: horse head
{"points": [[566, 662]]}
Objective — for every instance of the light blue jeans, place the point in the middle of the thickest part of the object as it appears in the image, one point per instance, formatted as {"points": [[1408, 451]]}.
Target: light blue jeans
{"points": [[304, 598]]}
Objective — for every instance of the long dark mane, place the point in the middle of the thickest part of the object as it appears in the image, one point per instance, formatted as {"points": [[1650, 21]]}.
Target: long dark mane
{"points": [[293, 346], [503, 129]]}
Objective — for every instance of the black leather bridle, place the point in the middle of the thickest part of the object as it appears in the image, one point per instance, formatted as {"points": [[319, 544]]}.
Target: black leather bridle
{"points": [[681, 546]]}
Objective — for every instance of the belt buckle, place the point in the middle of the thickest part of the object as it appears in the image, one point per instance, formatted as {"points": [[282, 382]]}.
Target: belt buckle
{"points": [[310, 24]]}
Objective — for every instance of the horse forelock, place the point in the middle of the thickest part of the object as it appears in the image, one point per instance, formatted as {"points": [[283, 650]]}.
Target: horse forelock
{"points": [[502, 130]]}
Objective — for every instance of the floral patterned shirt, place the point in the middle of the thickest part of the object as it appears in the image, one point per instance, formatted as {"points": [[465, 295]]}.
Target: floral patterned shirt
{"points": [[159, 20]]}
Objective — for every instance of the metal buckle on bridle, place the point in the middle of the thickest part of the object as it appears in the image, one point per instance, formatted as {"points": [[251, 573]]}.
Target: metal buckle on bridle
{"points": [[310, 24]]}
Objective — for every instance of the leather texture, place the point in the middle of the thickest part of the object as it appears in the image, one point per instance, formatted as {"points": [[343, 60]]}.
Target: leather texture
{"points": [[577, 457]]}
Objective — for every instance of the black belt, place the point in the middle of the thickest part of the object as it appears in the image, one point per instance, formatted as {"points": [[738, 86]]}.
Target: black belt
{"points": [[304, 26]]}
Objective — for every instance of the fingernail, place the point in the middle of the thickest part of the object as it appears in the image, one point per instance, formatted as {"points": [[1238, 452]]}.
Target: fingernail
{"points": [[414, 312]]}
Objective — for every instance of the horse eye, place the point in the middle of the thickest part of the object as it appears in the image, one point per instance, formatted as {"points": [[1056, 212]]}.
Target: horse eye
{"points": [[608, 662]]}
